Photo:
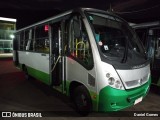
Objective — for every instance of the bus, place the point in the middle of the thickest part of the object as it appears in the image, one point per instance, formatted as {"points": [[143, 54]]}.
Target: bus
{"points": [[90, 55], [149, 34]]}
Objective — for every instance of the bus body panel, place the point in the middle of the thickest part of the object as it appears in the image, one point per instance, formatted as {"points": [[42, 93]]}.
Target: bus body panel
{"points": [[37, 64], [76, 72], [134, 77], [111, 99], [102, 69]]}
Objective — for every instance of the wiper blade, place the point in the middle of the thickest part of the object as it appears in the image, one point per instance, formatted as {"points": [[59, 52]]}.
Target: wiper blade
{"points": [[124, 59]]}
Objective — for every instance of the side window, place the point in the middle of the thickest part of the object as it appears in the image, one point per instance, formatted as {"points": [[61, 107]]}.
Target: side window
{"points": [[42, 39], [22, 40], [79, 45], [26, 40], [142, 33], [29, 38], [16, 42]]}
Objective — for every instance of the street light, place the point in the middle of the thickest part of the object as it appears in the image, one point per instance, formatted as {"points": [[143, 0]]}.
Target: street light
{"points": [[12, 36]]}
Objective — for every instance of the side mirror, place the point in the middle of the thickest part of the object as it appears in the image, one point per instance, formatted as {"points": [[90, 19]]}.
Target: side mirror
{"points": [[76, 27]]}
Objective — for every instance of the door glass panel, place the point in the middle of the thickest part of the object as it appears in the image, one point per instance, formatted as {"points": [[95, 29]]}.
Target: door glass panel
{"points": [[80, 48]]}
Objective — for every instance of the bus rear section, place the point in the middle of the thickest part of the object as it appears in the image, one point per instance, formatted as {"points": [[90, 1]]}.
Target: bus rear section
{"points": [[90, 55]]}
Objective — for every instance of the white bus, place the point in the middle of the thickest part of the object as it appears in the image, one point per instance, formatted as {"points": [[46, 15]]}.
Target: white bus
{"points": [[91, 55]]}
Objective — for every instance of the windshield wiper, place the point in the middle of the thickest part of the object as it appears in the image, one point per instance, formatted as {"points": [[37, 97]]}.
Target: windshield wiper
{"points": [[124, 59]]}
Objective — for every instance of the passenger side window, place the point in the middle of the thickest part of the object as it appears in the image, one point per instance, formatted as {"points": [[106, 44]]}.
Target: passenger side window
{"points": [[79, 44], [22, 40], [42, 39]]}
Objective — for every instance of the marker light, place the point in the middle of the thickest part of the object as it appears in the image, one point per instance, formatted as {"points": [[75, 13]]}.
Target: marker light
{"points": [[46, 28], [108, 75]]}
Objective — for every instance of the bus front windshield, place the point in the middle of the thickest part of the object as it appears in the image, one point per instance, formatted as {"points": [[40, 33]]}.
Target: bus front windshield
{"points": [[115, 39]]}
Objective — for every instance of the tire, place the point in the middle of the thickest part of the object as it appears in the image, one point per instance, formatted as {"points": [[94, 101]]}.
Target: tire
{"points": [[82, 100], [27, 76]]}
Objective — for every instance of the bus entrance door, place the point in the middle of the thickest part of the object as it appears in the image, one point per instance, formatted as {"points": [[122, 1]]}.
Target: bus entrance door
{"points": [[56, 59]]}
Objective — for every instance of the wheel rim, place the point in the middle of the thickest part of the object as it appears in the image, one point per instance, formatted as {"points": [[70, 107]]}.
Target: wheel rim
{"points": [[81, 102]]}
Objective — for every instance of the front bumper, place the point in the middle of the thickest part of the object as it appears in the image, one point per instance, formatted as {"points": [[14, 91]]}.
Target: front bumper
{"points": [[111, 99]]}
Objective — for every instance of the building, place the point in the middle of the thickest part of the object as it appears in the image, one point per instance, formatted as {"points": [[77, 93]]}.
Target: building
{"points": [[7, 29]]}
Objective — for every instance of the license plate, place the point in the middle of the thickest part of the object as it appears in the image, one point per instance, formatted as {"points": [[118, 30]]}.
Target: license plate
{"points": [[138, 100]]}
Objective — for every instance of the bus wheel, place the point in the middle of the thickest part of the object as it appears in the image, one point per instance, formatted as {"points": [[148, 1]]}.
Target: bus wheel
{"points": [[82, 100], [27, 77]]}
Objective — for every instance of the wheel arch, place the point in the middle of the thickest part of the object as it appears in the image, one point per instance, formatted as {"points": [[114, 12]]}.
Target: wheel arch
{"points": [[77, 87], [73, 85]]}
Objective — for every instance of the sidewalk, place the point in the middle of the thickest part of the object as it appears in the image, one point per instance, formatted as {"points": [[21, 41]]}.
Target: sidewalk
{"points": [[6, 55]]}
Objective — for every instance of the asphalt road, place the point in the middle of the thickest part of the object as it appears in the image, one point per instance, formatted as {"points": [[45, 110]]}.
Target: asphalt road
{"points": [[18, 94]]}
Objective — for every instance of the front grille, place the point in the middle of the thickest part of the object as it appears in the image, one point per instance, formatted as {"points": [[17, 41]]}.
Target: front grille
{"points": [[132, 83], [137, 82]]}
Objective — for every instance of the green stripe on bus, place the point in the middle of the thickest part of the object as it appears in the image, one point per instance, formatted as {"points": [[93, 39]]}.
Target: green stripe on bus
{"points": [[44, 77], [111, 99]]}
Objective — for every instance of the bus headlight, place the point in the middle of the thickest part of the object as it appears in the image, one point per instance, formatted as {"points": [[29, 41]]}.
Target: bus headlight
{"points": [[113, 82], [118, 84]]}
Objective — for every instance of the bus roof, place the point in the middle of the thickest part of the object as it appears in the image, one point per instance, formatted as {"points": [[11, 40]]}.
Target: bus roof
{"points": [[46, 20], [146, 25], [63, 14]]}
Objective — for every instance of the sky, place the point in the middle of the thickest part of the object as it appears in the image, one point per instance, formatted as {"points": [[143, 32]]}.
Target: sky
{"points": [[29, 11]]}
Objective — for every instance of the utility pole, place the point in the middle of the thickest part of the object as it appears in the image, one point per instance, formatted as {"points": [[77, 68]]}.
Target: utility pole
{"points": [[110, 8]]}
